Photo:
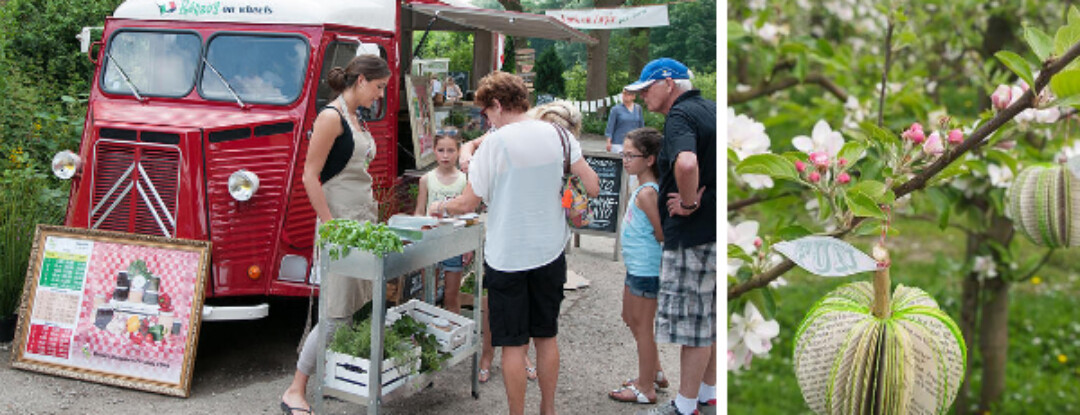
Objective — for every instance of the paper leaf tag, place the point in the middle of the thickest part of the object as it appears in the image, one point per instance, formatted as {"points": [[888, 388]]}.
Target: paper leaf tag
{"points": [[1073, 164], [826, 256]]}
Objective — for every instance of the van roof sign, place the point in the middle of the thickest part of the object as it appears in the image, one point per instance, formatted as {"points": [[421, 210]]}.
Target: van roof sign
{"points": [[375, 14]]}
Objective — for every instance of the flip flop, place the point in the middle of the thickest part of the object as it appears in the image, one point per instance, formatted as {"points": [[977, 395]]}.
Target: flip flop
{"points": [[661, 382], [639, 397], [530, 372], [485, 375], [288, 410]]}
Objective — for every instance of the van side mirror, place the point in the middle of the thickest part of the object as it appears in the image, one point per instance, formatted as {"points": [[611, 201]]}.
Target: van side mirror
{"points": [[85, 39]]}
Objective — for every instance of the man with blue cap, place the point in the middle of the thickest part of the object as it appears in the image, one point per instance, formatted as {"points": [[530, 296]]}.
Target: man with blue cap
{"points": [[686, 312]]}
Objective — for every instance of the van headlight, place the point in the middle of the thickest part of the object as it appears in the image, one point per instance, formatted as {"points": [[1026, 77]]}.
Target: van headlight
{"points": [[243, 184], [65, 164]]}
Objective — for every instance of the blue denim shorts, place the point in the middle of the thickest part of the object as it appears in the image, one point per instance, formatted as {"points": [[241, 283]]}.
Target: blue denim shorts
{"points": [[454, 264], [643, 286]]}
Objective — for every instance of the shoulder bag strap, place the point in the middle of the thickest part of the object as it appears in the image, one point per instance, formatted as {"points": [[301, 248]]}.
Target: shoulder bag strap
{"points": [[565, 146]]}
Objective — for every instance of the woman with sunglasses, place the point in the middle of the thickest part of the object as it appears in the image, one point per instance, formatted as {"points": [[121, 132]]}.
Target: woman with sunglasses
{"points": [[517, 173]]}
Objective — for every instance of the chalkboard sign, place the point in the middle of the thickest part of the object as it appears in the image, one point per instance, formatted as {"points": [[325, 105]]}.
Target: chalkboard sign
{"points": [[605, 206]]}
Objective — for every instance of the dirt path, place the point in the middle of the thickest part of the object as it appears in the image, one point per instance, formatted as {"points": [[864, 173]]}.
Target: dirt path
{"points": [[242, 367]]}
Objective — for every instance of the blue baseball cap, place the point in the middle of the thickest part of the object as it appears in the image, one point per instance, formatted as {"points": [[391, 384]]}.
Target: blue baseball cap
{"points": [[659, 69]]}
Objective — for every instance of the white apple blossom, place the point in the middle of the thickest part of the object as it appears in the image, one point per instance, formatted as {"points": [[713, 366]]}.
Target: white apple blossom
{"points": [[771, 33], [757, 181], [823, 138], [756, 5], [984, 266], [854, 113], [999, 176], [743, 235], [745, 135], [750, 334]]}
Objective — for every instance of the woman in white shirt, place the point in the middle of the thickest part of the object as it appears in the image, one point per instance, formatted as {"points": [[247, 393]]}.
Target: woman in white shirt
{"points": [[518, 174]]}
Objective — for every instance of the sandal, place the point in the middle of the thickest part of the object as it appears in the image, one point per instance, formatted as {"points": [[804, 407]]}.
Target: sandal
{"points": [[530, 372], [485, 375], [618, 395], [661, 382], [288, 410]]}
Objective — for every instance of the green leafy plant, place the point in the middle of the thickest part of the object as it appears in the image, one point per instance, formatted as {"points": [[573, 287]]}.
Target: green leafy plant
{"points": [[345, 234], [355, 340]]}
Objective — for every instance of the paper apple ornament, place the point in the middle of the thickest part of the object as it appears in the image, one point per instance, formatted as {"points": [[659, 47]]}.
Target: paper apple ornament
{"points": [[1044, 204], [858, 352]]}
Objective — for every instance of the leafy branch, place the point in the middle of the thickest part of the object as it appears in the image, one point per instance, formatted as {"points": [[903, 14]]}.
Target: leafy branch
{"points": [[1051, 66]]}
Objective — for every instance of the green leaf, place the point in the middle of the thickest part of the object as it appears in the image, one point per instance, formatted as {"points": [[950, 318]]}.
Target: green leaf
{"points": [[862, 205], [825, 48], [763, 301], [793, 232], [67, 99], [1017, 64], [1039, 41], [768, 164], [1066, 36], [953, 169], [735, 31], [879, 134], [852, 152], [732, 156], [1066, 83], [1072, 101], [875, 190], [1002, 157], [735, 251]]}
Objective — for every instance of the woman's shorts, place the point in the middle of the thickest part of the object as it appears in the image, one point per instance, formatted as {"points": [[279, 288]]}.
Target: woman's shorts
{"points": [[525, 304]]}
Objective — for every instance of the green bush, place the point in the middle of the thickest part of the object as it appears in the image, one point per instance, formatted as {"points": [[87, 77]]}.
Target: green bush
{"points": [[30, 197], [549, 74]]}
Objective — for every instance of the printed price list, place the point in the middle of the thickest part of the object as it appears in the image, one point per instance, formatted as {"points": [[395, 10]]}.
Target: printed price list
{"points": [[64, 271], [48, 340]]}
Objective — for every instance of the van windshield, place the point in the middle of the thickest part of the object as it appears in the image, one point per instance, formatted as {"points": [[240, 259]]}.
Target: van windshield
{"points": [[261, 69], [158, 63]]}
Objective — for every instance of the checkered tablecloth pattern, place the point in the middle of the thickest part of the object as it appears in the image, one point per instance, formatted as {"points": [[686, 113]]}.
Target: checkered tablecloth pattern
{"points": [[178, 272]]}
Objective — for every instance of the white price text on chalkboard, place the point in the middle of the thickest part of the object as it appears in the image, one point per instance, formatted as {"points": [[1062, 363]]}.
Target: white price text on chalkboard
{"points": [[605, 206], [825, 256]]}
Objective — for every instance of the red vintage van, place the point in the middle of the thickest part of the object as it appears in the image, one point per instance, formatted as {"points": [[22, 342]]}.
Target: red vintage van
{"points": [[200, 112]]}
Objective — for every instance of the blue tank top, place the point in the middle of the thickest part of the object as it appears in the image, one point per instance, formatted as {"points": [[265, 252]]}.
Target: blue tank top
{"points": [[641, 252]]}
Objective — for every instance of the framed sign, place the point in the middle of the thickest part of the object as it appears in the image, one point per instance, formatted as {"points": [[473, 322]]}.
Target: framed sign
{"points": [[112, 308], [608, 207], [421, 118]]}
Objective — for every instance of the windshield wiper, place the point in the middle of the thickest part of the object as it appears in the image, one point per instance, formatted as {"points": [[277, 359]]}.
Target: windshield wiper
{"points": [[123, 75], [226, 83]]}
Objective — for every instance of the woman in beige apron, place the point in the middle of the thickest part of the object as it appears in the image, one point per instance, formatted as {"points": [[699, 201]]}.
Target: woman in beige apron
{"points": [[339, 186]]}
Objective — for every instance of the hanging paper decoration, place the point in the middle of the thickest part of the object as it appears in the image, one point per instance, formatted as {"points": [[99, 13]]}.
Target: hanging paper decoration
{"points": [[1044, 205]]}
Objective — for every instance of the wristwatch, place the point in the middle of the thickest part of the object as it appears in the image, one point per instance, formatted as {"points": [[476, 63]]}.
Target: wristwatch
{"points": [[689, 207]]}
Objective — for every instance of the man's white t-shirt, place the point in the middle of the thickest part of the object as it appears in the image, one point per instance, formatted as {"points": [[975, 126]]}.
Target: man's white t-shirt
{"points": [[518, 173]]}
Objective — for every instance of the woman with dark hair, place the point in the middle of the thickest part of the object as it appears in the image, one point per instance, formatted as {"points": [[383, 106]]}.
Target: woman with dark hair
{"points": [[339, 186], [518, 174]]}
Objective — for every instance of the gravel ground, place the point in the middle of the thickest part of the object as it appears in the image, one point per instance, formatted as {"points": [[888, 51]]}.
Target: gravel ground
{"points": [[242, 367]]}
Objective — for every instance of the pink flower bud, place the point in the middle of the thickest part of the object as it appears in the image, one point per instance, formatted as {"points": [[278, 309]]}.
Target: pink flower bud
{"points": [[1001, 97], [757, 242], [933, 145], [842, 162], [914, 133], [843, 178], [819, 158], [814, 177], [955, 136], [800, 166]]}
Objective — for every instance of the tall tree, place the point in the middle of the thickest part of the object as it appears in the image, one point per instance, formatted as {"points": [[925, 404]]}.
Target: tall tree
{"points": [[596, 83]]}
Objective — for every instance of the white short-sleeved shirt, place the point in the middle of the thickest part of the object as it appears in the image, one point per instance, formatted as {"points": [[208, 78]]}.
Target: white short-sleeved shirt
{"points": [[518, 173]]}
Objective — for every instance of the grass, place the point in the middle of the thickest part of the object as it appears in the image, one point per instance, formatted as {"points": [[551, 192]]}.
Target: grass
{"points": [[1044, 326]]}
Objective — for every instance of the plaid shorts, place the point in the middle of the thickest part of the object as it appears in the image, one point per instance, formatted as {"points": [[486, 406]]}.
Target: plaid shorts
{"points": [[686, 312]]}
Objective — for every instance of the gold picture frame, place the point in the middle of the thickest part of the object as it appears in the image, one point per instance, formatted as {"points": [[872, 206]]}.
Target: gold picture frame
{"points": [[113, 308]]}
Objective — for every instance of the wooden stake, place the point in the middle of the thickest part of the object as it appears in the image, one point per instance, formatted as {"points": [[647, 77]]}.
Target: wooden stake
{"points": [[880, 306]]}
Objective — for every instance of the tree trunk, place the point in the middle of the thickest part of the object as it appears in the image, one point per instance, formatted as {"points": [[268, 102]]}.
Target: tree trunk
{"points": [[639, 50], [994, 342], [596, 79], [969, 312], [520, 42]]}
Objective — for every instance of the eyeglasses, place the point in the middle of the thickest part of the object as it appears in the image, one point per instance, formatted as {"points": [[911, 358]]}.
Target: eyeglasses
{"points": [[627, 156], [449, 132]]}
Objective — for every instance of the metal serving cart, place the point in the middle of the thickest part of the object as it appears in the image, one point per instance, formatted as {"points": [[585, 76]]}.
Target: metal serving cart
{"points": [[434, 246]]}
